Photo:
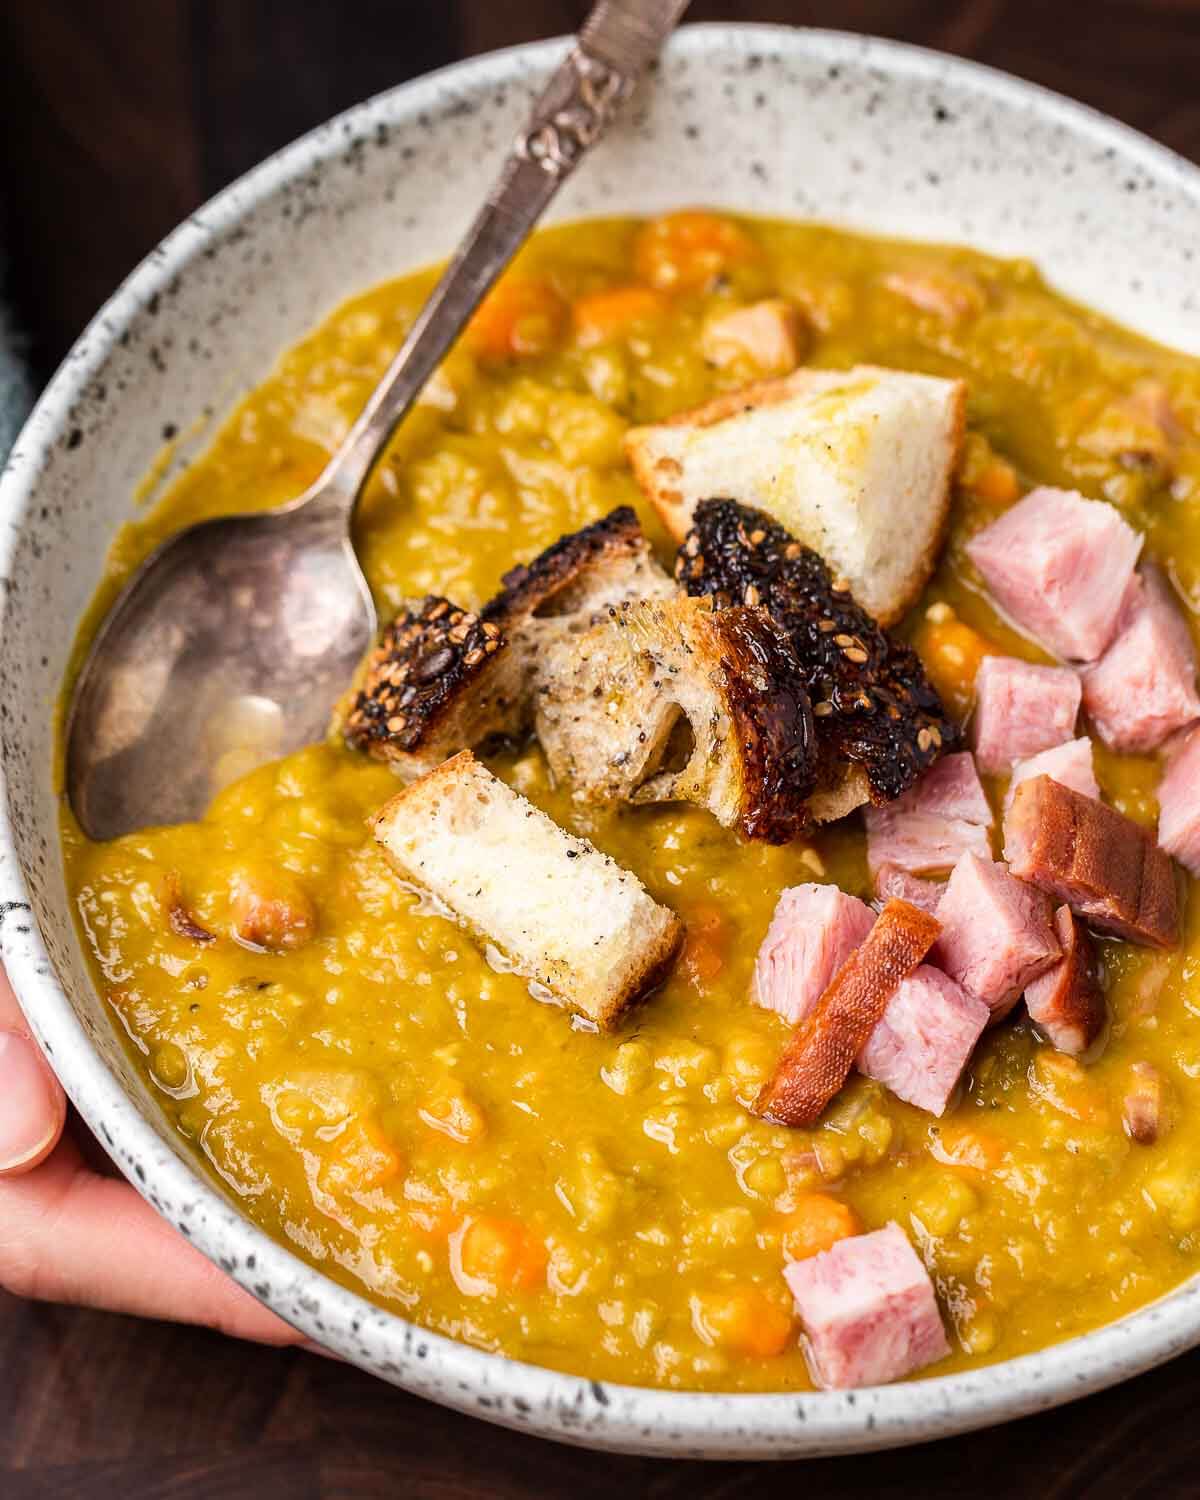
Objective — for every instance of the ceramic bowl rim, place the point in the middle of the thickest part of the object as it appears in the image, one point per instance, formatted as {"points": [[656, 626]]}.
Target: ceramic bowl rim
{"points": [[529, 1397]]}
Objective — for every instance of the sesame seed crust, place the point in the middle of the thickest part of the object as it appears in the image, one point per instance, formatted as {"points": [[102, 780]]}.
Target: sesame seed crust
{"points": [[874, 705]]}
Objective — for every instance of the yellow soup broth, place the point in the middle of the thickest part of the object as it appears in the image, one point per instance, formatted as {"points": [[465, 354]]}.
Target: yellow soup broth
{"points": [[402, 1112]]}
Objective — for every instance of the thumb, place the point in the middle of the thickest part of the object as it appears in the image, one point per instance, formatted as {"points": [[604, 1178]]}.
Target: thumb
{"points": [[33, 1107]]}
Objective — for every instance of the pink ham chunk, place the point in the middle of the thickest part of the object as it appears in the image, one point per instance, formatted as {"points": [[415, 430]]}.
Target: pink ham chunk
{"points": [[997, 933], [1067, 1003], [868, 1309], [933, 824], [1144, 686], [1071, 764], [1059, 565], [1021, 709], [1179, 804], [922, 1044], [919, 842], [813, 932], [951, 788], [891, 881]]}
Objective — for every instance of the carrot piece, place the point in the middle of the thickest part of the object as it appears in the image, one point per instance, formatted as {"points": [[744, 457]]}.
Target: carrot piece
{"points": [[743, 1320], [996, 484], [704, 947], [684, 251], [608, 314], [815, 1224], [815, 1063], [520, 316], [967, 1147], [361, 1159], [951, 653], [490, 1255]]}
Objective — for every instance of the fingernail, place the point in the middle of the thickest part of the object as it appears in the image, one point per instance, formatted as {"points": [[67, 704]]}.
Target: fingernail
{"points": [[28, 1104]]}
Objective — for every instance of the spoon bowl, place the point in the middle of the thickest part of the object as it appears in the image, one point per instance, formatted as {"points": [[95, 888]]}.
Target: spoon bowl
{"points": [[227, 649], [233, 640]]}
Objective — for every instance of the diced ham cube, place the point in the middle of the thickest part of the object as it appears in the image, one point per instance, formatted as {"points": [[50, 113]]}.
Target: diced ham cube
{"points": [[1059, 565], [1070, 764], [817, 1060], [1021, 709], [1179, 804], [997, 934], [935, 822], [813, 932], [1143, 1108], [922, 1044], [951, 788], [768, 335], [1144, 686], [1066, 1003], [891, 880], [1102, 864], [868, 1310], [917, 841]]}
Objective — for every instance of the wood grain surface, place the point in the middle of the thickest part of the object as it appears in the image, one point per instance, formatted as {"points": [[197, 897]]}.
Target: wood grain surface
{"points": [[118, 118]]}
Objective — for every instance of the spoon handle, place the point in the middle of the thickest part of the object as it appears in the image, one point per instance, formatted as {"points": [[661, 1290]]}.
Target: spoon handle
{"points": [[618, 40]]}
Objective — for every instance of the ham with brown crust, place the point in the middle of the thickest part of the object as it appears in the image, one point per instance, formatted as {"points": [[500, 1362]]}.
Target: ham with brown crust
{"points": [[1066, 1003], [817, 1060], [1105, 866]]}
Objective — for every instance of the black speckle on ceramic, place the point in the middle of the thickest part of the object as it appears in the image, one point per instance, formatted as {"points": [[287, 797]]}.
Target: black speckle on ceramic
{"points": [[767, 120]]}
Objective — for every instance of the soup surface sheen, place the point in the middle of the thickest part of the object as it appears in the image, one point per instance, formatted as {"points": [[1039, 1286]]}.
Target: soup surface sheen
{"points": [[401, 1112]]}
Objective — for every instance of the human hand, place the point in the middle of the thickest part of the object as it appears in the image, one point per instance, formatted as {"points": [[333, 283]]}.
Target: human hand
{"points": [[68, 1234]]}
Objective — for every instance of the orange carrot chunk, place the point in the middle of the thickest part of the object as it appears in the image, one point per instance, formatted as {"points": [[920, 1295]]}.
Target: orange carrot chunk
{"points": [[742, 1320], [685, 251], [610, 314], [520, 317], [497, 1255], [816, 1223]]}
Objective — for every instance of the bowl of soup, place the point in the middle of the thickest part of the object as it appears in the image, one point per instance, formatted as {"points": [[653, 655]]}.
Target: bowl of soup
{"points": [[357, 1108]]}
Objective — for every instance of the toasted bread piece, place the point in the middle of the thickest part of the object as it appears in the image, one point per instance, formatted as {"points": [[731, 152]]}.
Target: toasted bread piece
{"points": [[444, 679], [564, 915], [667, 700], [879, 722], [856, 464]]}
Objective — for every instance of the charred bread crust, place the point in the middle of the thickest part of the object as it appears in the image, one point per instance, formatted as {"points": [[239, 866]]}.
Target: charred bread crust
{"points": [[773, 722], [443, 678], [873, 704], [427, 659], [530, 586]]}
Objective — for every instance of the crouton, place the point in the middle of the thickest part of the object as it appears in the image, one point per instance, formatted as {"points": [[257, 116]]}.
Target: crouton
{"points": [[879, 723], [669, 701], [444, 679], [566, 917], [833, 456]]}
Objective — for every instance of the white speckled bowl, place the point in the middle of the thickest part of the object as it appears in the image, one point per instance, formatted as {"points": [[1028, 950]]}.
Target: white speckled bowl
{"points": [[764, 119]]}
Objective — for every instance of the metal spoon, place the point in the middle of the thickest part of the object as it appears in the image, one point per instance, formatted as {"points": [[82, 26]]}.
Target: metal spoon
{"points": [[234, 639]]}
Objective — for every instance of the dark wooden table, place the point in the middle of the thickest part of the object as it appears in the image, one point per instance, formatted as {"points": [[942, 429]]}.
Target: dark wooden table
{"points": [[118, 118]]}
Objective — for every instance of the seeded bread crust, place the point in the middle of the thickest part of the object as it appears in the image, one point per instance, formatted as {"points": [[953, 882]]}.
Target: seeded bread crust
{"points": [[879, 722], [443, 679], [436, 679]]}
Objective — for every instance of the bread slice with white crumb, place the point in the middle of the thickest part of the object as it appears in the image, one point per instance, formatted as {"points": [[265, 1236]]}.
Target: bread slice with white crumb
{"points": [[567, 917], [855, 464]]}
